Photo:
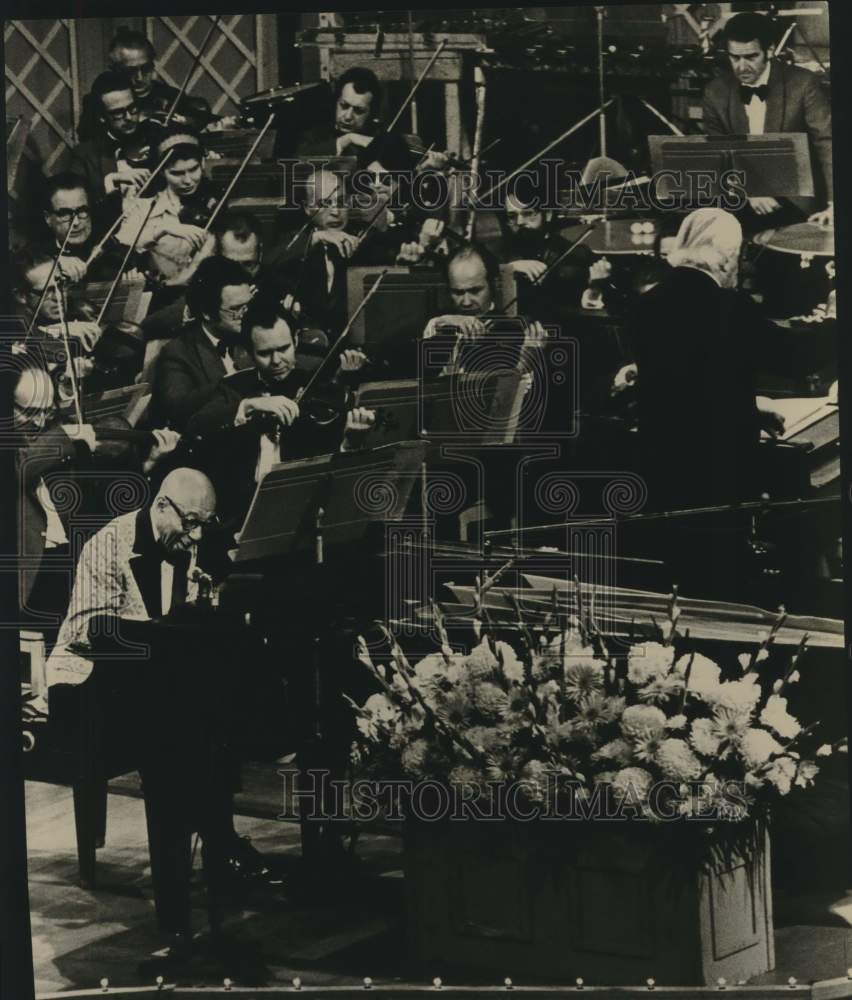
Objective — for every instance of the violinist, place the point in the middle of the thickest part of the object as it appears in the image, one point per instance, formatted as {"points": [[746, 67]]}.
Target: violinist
{"points": [[253, 419], [50, 456], [67, 206], [32, 284], [100, 160], [132, 54], [405, 217], [357, 104], [531, 242], [312, 261], [174, 231], [191, 365]]}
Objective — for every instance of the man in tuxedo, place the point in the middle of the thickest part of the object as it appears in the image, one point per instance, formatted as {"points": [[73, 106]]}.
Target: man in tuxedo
{"points": [[251, 421], [311, 263], [166, 685], [191, 365], [100, 161], [762, 94]]}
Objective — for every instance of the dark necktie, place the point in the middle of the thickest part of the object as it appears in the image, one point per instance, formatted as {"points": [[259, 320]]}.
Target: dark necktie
{"points": [[222, 348], [749, 92]]}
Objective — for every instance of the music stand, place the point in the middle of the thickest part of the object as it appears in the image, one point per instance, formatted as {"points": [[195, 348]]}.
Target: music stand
{"points": [[406, 301], [777, 164], [122, 402], [481, 408], [328, 500], [125, 304]]}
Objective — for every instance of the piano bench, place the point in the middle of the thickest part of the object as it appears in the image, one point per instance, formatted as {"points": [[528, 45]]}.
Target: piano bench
{"points": [[72, 746]]}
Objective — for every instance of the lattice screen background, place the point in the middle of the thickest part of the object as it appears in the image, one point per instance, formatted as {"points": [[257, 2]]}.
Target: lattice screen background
{"points": [[41, 82], [229, 70]]}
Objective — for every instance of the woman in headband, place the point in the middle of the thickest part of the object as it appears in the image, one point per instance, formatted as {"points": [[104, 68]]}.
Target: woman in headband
{"points": [[173, 232]]}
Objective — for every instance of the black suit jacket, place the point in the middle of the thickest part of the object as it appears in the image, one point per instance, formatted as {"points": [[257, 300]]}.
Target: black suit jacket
{"points": [[698, 422], [186, 376], [93, 160], [229, 454], [301, 270], [795, 103]]}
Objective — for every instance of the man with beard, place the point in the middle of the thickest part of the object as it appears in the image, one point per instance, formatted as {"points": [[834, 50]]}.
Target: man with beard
{"points": [[357, 103], [191, 365], [100, 160]]}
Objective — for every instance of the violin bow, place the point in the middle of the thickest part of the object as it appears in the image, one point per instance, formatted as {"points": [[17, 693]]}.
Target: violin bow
{"points": [[479, 85], [193, 66], [239, 173], [551, 267], [72, 373], [551, 145], [414, 89], [98, 249], [344, 334], [123, 265], [50, 281]]}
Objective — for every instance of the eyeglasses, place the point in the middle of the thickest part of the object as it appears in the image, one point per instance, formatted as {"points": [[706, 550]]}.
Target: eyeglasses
{"points": [[121, 113], [30, 414], [67, 214], [143, 69], [237, 312], [189, 522]]}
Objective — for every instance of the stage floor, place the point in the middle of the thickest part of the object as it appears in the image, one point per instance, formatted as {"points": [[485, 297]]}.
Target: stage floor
{"points": [[81, 936]]}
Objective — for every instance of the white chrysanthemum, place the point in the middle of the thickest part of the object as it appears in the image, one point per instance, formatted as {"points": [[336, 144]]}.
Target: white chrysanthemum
{"points": [[825, 750], [639, 720], [647, 745], [757, 746], [647, 660], [743, 694], [633, 781], [677, 722], [490, 700], [413, 757], [481, 663], [730, 724], [511, 667], [781, 773], [703, 674], [776, 716], [583, 678], [677, 761], [745, 658], [618, 751], [454, 709], [806, 774], [464, 774], [537, 780], [704, 737], [378, 715], [659, 689]]}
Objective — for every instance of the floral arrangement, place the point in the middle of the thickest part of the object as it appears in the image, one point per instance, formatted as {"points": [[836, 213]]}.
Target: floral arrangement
{"points": [[644, 725]]}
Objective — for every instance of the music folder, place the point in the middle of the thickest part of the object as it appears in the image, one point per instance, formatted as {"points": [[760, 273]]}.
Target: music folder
{"points": [[352, 489], [777, 164]]}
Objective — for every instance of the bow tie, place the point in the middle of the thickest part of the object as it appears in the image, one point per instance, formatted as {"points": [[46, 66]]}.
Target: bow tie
{"points": [[749, 92]]}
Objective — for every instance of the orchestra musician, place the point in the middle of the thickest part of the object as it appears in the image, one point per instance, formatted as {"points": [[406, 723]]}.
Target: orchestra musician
{"points": [[763, 94], [174, 230], [100, 160], [51, 455], [253, 419], [357, 105], [67, 206], [133, 55], [30, 277], [190, 365], [311, 262]]}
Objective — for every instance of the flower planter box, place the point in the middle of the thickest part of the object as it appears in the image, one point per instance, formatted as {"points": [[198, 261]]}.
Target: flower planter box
{"points": [[535, 902]]}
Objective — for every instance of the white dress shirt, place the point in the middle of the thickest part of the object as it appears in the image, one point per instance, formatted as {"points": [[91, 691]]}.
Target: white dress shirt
{"points": [[756, 109], [54, 532], [227, 360]]}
